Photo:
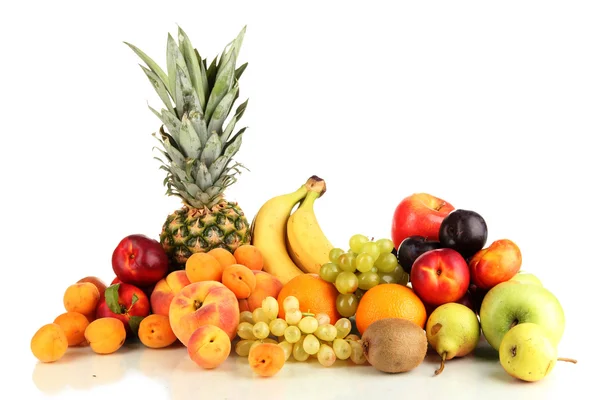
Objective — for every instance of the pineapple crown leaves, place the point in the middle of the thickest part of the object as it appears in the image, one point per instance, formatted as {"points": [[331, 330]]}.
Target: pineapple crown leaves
{"points": [[198, 97]]}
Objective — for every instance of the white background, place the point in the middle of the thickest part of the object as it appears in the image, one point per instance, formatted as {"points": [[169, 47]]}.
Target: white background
{"points": [[493, 107]]}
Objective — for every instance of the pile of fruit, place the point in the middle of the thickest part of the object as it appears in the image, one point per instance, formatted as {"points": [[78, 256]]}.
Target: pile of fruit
{"points": [[276, 290]]}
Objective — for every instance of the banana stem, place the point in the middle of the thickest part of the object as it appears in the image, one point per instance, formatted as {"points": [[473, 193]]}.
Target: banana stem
{"points": [[441, 368], [571, 360], [316, 184]]}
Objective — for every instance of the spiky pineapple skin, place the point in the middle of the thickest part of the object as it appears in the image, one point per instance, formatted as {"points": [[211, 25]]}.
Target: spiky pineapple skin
{"points": [[191, 230]]}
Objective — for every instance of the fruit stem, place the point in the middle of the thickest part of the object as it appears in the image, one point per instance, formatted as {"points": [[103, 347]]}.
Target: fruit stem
{"points": [[571, 360], [316, 184], [441, 368]]}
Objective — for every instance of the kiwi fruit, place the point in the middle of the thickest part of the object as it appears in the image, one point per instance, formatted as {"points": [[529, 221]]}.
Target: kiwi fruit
{"points": [[394, 345]]}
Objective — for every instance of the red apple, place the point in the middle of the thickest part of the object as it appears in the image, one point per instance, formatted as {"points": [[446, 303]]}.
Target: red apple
{"points": [[146, 289], [440, 276], [125, 302], [140, 260], [419, 214], [495, 264]]}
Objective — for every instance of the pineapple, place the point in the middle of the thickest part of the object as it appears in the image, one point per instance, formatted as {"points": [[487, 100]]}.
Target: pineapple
{"points": [[198, 146]]}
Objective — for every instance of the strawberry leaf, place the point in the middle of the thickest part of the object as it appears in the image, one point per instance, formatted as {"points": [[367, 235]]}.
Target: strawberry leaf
{"points": [[134, 323], [111, 294]]}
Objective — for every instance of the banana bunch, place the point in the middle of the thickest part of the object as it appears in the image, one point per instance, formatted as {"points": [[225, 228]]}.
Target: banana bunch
{"points": [[292, 243]]}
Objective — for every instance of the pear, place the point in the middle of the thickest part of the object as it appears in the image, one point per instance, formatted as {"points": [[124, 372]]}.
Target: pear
{"points": [[453, 331], [527, 352]]}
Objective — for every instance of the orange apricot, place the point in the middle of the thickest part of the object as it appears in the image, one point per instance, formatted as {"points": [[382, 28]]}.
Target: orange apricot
{"points": [[49, 343], [266, 359], [209, 346], [250, 256], [201, 267], [155, 331], [74, 325], [240, 280], [106, 335], [225, 257], [99, 283], [81, 297]]}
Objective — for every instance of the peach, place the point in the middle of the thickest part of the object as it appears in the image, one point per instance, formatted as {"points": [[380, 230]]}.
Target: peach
{"points": [[165, 290], [201, 267], [495, 264], [81, 297], [240, 280], [266, 285], [249, 256], [106, 335], [209, 346], [203, 303], [155, 331], [266, 359], [99, 283], [74, 325], [225, 257], [49, 343]]}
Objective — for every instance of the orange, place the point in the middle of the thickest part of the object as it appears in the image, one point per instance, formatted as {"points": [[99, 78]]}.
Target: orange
{"points": [[314, 294], [389, 300]]}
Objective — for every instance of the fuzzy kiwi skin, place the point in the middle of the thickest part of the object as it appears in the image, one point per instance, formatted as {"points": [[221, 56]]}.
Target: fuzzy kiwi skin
{"points": [[394, 345]]}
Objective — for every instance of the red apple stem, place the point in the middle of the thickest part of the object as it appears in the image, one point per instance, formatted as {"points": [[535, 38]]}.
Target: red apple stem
{"points": [[441, 368], [571, 360]]}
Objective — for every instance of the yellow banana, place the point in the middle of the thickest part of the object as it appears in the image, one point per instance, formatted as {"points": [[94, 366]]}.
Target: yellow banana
{"points": [[307, 244], [269, 231]]}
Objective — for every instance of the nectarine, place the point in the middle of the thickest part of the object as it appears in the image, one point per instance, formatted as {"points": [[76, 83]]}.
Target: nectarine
{"points": [[209, 346]]}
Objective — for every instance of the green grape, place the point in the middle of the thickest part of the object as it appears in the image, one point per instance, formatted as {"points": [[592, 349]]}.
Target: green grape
{"points": [[385, 246], [326, 333], [245, 330], [271, 307], [347, 262], [246, 316], [368, 280], [322, 318], [329, 271], [386, 263], [308, 324], [352, 337], [298, 351], [357, 241], [360, 293], [293, 317], [261, 330], [326, 355], [387, 277], [256, 343], [346, 282], [287, 348], [342, 349], [343, 327], [292, 334], [346, 304], [290, 303], [364, 262], [260, 315], [334, 254], [277, 327], [374, 269], [269, 340], [401, 276], [371, 248], [357, 355], [242, 348], [311, 344]]}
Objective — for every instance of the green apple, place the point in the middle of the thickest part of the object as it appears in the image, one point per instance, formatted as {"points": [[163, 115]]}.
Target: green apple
{"points": [[508, 304], [526, 277]]}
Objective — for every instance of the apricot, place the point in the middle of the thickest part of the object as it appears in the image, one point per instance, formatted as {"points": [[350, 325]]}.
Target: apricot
{"points": [[266, 285], [82, 298], [201, 267], [73, 325], [106, 335], [249, 256], [266, 359], [99, 283], [240, 280], [155, 331], [49, 343], [209, 346], [225, 257]]}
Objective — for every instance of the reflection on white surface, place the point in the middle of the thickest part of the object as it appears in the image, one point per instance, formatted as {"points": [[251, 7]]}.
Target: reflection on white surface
{"points": [[170, 373]]}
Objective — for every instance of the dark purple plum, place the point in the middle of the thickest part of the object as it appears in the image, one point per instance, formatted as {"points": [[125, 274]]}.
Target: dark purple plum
{"points": [[464, 231], [411, 248]]}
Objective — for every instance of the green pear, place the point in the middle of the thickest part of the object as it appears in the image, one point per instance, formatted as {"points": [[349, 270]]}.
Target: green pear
{"points": [[526, 277], [453, 331], [508, 304], [528, 353]]}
